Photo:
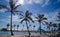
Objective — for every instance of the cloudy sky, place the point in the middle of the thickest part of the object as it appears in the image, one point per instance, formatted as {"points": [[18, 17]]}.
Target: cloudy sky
{"points": [[48, 7]]}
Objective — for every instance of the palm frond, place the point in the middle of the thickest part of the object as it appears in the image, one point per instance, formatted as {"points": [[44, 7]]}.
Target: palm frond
{"points": [[36, 17], [44, 18], [54, 24], [45, 22], [40, 15], [22, 20], [18, 11], [58, 16], [13, 13], [17, 6], [3, 6], [30, 19], [57, 20]]}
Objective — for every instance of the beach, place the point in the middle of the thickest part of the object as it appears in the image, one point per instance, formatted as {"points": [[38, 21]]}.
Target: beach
{"points": [[25, 35]]}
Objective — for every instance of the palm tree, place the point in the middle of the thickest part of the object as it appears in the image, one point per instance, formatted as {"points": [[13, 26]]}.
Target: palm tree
{"points": [[23, 27], [55, 26], [34, 27], [58, 16], [40, 18], [8, 26], [49, 25], [17, 27], [30, 27], [12, 9], [27, 18], [14, 27]]}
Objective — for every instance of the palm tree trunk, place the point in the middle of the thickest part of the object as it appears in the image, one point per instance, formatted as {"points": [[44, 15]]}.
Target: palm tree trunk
{"points": [[40, 27], [28, 29], [11, 24]]}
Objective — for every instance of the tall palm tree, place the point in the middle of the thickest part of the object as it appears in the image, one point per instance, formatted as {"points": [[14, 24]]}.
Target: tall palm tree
{"points": [[14, 27], [17, 27], [12, 9], [8, 26], [27, 18], [40, 18]]}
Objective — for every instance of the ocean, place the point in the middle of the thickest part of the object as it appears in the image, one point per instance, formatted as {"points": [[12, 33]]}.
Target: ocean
{"points": [[2, 32]]}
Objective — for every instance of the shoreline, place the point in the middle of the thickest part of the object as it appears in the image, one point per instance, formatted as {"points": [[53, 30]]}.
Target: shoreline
{"points": [[25, 35]]}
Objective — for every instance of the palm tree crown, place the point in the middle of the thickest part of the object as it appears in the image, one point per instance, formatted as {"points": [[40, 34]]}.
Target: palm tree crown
{"points": [[27, 19], [12, 8], [40, 18]]}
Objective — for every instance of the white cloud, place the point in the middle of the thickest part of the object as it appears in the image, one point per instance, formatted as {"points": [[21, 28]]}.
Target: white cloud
{"points": [[38, 1], [20, 2], [24, 2], [2, 10], [46, 3], [33, 1], [41, 2]]}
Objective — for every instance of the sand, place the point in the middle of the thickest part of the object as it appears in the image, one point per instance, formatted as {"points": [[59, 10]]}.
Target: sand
{"points": [[25, 35]]}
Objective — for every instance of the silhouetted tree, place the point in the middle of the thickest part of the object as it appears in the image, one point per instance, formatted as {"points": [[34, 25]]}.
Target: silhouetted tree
{"points": [[55, 26], [27, 18], [40, 18], [17, 27], [8, 26], [30, 27], [58, 16], [34, 27], [23, 27], [49, 26], [14, 27], [12, 9]]}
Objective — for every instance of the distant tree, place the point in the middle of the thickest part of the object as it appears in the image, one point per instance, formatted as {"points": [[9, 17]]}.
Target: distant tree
{"points": [[8, 26], [58, 16], [12, 9], [17, 27], [34, 27], [30, 27], [27, 18], [49, 26], [55, 26], [14, 27], [23, 27], [40, 18]]}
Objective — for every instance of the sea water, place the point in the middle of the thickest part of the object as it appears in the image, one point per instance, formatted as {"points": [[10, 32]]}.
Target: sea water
{"points": [[6, 32]]}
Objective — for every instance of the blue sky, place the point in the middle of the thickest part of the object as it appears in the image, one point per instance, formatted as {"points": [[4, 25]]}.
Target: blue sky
{"points": [[48, 7]]}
